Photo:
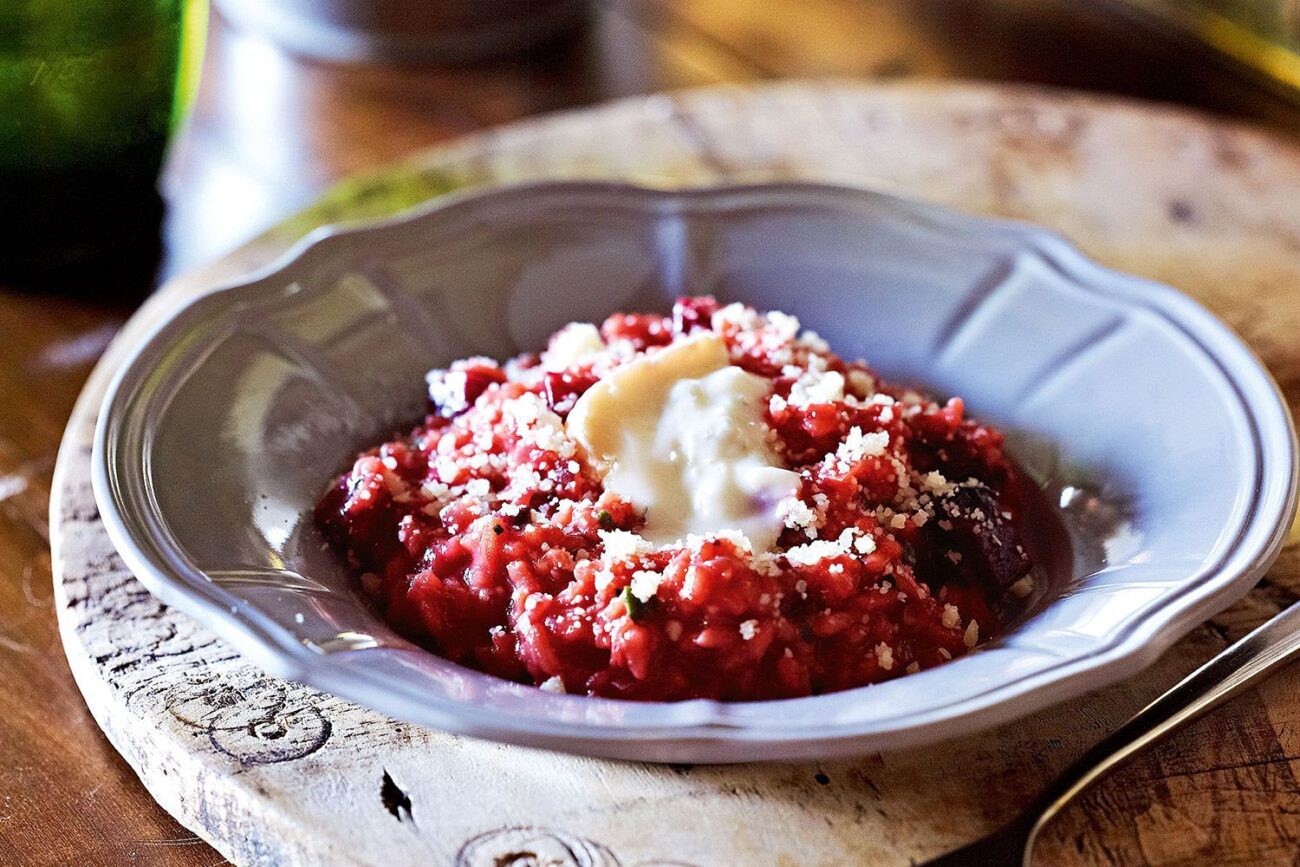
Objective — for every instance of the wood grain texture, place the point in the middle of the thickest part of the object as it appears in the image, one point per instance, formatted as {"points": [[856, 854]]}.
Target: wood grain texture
{"points": [[59, 782], [273, 773]]}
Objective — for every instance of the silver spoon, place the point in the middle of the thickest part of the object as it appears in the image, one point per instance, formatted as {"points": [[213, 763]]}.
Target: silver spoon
{"points": [[1234, 669]]}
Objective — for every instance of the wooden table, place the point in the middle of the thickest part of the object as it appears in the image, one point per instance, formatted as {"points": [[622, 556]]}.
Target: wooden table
{"points": [[271, 132]]}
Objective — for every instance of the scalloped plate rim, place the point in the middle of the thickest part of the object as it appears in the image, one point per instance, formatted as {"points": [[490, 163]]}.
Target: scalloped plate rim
{"points": [[1134, 648]]}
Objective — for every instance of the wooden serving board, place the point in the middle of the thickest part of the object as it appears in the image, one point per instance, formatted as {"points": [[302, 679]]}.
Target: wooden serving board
{"points": [[271, 772]]}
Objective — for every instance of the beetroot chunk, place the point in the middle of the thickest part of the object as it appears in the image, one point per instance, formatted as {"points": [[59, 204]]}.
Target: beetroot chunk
{"points": [[977, 540], [563, 388]]}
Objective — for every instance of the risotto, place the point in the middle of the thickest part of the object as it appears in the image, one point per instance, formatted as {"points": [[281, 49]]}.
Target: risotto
{"points": [[710, 504]]}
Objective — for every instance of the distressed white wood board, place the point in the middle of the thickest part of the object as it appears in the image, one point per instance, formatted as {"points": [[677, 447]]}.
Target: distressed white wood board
{"points": [[271, 772]]}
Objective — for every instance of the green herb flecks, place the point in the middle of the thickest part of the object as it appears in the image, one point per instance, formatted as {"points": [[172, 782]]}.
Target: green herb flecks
{"points": [[636, 609]]}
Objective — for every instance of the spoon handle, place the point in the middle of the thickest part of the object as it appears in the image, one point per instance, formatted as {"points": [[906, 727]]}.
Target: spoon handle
{"points": [[1231, 671]]}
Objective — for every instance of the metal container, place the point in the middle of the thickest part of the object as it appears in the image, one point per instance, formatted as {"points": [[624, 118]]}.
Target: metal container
{"points": [[449, 31]]}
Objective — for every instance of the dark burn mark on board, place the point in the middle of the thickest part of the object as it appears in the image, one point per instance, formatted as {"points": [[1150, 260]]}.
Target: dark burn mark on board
{"points": [[1181, 211], [251, 718], [267, 740], [530, 844], [395, 799]]}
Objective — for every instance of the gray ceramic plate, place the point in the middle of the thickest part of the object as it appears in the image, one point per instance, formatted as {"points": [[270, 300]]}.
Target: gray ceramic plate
{"points": [[1161, 445]]}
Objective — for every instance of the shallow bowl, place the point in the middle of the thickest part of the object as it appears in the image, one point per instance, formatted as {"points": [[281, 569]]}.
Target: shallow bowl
{"points": [[1159, 442]]}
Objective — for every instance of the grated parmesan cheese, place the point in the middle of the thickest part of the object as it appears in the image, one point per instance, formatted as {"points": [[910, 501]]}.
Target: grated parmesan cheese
{"points": [[796, 514], [645, 584], [813, 552], [817, 386], [572, 345], [623, 545], [951, 618]]}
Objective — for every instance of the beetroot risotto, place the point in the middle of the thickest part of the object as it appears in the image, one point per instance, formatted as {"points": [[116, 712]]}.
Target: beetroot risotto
{"points": [[708, 504]]}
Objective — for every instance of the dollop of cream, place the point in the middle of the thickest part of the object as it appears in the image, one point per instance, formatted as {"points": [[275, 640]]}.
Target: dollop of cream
{"points": [[679, 433]]}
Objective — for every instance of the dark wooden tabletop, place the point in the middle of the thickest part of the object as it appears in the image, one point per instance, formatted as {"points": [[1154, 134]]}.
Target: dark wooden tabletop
{"points": [[271, 131]]}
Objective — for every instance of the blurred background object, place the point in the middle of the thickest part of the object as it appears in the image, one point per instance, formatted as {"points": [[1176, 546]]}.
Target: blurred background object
{"points": [[1259, 37], [89, 94], [90, 90], [412, 30], [273, 129]]}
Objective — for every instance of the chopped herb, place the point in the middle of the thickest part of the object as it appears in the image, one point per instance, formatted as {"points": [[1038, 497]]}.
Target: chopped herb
{"points": [[606, 520], [635, 607]]}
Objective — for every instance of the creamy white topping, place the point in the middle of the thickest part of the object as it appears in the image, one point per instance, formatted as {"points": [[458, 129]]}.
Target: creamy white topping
{"points": [[679, 433]]}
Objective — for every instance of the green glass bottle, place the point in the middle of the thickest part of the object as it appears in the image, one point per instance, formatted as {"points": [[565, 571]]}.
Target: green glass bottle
{"points": [[90, 91]]}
